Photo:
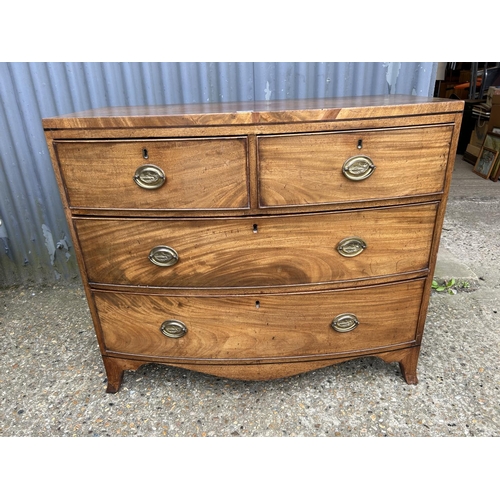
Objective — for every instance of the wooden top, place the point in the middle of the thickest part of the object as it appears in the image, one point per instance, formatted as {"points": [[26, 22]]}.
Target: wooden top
{"points": [[254, 112]]}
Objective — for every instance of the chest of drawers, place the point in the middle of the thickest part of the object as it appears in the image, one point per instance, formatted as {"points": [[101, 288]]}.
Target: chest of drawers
{"points": [[257, 240]]}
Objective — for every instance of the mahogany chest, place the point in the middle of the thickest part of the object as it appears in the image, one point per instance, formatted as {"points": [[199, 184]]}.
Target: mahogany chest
{"points": [[257, 240]]}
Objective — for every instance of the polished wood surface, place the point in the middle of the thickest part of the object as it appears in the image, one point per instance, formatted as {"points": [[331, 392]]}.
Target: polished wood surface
{"points": [[252, 112], [253, 252], [255, 204], [260, 370], [209, 173], [307, 169], [251, 327]]}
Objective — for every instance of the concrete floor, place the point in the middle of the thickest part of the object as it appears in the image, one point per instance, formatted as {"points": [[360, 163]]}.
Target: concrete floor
{"points": [[52, 381]]}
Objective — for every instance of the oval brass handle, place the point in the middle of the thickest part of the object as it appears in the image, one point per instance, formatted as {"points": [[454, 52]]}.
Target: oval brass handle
{"points": [[163, 256], [149, 177], [345, 322], [358, 168], [173, 329], [350, 247]]}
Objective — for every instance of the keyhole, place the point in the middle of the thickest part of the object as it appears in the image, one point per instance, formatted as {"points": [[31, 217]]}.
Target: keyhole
{"points": [[255, 228], [145, 154], [360, 143], [257, 304]]}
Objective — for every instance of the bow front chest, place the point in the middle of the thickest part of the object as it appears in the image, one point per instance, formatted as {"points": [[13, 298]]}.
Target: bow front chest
{"points": [[257, 240]]}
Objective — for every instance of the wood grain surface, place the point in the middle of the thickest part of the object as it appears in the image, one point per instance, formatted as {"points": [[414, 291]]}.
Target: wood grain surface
{"points": [[255, 204], [240, 327], [208, 173], [307, 169], [257, 251], [260, 369], [253, 112]]}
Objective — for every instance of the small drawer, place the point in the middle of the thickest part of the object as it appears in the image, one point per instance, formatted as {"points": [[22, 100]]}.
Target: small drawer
{"points": [[345, 167], [162, 174], [260, 326], [257, 251]]}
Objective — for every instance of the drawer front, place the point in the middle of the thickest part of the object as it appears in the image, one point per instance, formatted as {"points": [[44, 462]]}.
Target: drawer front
{"points": [[308, 169], [266, 251], [260, 326], [198, 174]]}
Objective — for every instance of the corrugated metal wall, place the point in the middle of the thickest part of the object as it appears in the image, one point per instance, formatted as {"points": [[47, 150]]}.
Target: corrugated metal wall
{"points": [[35, 246]]}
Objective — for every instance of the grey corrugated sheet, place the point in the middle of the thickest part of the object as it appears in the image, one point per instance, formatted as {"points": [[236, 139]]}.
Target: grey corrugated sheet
{"points": [[34, 241]]}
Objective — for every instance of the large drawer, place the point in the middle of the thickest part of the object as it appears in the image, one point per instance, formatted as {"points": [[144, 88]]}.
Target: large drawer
{"points": [[257, 251], [199, 173], [308, 169], [260, 326]]}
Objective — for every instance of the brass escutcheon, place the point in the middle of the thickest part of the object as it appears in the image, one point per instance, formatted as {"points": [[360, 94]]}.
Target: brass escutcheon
{"points": [[358, 168], [350, 247], [163, 256], [173, 329], [149, 177], [345, 322]]}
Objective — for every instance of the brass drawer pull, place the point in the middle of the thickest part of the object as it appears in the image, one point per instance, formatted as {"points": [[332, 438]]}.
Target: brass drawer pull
{"points": [[345, 322], [350, 247], [358, 168], [149, 177], [173, 329], [163, 256]]}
